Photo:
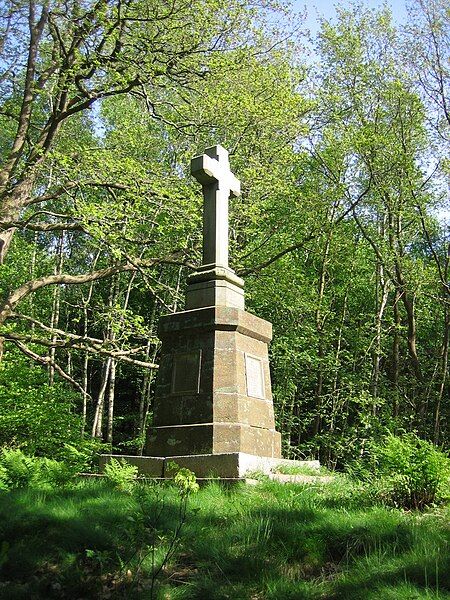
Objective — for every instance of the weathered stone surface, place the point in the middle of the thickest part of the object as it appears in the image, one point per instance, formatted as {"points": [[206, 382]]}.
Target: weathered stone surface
{"points": [[233, 437], [180, 439], [215, 438], [147, 465], [239, 408], [223, 417], [233, 465], [212, 170], [217, 292], [216, 318], [213, 394], [183, 410], [237, 464]]}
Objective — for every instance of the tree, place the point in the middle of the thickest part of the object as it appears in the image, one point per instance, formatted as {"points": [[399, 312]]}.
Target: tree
{"points": [[109, 110]]}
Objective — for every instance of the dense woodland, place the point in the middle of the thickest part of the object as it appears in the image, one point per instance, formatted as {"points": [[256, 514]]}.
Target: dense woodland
{"points": [[341, 143]]}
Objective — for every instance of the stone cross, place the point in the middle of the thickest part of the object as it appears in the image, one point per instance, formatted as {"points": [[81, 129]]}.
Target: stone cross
{"points": [[212, 170]]}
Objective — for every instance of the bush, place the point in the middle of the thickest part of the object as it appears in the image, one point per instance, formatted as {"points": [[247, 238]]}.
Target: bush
{"points": [[17, 470], [35, 416], [84, 456], [53, 473], [405, 471], [3, 479], [121, 474]]}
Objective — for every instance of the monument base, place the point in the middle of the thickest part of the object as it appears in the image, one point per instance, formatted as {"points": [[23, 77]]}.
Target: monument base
{"points": [[213, 438], [227, 465], [213, 393]]}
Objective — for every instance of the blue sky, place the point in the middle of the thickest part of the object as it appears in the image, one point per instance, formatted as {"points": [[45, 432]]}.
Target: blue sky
{"points": [[326, 8]]}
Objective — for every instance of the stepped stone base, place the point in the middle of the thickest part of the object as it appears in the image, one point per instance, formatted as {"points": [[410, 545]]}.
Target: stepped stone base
{"points": [[226, 465], [214, 438]]}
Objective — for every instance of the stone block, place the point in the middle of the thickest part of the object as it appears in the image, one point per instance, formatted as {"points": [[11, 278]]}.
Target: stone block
{"points": [[256, 412], [236, 437], [180, 439], [214, 293], [151, 466], [215, 318], [232, 465], [226, 465], [183, 410], [208, 465]]}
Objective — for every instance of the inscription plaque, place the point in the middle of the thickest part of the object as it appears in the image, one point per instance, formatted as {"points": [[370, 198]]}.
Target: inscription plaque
{"points": [[255, 376], [186, 372]]}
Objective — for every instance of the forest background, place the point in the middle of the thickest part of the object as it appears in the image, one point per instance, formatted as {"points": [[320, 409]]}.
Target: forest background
{"points": [[341, 145]]}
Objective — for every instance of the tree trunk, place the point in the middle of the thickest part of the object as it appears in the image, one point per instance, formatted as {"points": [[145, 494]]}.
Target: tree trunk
{"points": [[382, 295], [444, 374], [320, 325], [98, 417], [396, 355], [55, 307], [111, 391]]}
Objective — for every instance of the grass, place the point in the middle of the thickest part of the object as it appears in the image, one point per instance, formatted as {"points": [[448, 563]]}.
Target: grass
{"points": [[301, 470], [265, 542]]}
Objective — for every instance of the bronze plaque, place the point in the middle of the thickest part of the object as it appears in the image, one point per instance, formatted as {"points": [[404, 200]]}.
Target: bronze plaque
{"points": [[186, 372]]}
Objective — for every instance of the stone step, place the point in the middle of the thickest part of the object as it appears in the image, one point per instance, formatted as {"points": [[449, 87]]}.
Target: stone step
{"points": [[233, 465], [284, 478]]}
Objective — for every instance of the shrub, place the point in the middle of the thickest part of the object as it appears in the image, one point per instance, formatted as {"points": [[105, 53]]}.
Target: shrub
{"points": [[18, 470], [53, 473], [405, 471], [3, 479], [35, 416], [121, 474], [84, 456]]}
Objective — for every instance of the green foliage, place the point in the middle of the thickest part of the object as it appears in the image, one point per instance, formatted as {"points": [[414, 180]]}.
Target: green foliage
{"points": [[3, 479], [405, 471], [300, 470], [84, 456], [335, 231], [121, 475], [270, 541], [184, 479], [38, 417], [55, 474], [18, 470]]}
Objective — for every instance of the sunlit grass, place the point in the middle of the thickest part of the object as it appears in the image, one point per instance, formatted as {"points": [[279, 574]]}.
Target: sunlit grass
{"points": [[269, 541]]}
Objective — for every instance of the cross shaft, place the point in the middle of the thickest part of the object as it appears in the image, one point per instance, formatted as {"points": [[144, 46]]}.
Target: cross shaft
{"points": [[212, 170]]}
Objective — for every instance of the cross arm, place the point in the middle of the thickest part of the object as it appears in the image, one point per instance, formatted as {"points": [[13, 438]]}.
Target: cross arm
{"points": [[203, 168], [235, 186]]}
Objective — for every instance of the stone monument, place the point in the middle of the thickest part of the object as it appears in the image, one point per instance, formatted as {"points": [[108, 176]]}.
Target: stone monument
{"points": [[213, 409]]}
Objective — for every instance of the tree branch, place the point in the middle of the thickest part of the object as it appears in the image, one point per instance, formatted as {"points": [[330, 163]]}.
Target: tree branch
{"points": [[46, 360], [7, 306]]}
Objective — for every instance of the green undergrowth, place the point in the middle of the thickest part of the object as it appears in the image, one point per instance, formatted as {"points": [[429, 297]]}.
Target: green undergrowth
{"points": [[269, 541], [301, 470]]}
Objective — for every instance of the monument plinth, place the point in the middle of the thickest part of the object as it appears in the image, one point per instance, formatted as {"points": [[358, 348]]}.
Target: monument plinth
{"points": [[213, 409], [213, 393]]}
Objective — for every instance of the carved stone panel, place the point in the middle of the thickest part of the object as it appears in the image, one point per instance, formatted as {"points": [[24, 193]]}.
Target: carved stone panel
{"points": [[254, 374], [186, 372]]}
